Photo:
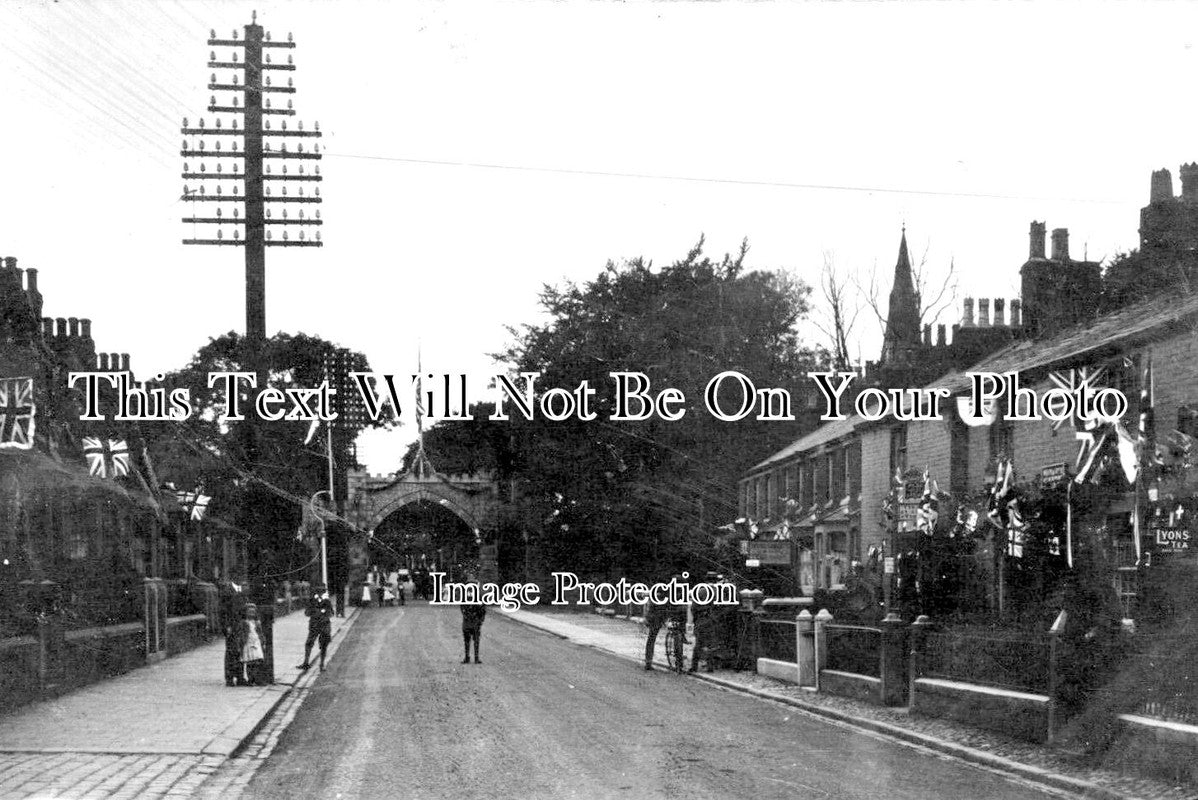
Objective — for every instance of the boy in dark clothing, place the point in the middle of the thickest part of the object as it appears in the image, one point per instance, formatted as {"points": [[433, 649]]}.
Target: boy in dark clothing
{"points": [[472, 628], [320, 626]]}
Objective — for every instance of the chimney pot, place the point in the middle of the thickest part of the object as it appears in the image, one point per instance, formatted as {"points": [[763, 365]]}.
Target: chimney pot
{"points": [[1000, 306], [10, 262], [31, 279], [60, 326], [1036, 247], [940, 340], [983, 312], [1060, 244], [47, 328], [85, 328], [1189, 182], [103, 358], [927, 334], [1162, 187], [125, 362], [73, 326], [1016, 322], [967, 313]]}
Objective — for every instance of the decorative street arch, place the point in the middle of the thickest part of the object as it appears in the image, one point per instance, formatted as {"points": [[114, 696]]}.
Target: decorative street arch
{"points": [[473, 498]]}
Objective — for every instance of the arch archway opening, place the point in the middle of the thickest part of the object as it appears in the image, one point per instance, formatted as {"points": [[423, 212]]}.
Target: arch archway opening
{"points": [[425, 536]]}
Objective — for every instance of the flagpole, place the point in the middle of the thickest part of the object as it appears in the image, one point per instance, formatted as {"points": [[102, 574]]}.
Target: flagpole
{"points": [[324, 539]]}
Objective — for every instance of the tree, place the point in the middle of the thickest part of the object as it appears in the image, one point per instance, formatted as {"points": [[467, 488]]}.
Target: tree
{"points": [[1136, 275], [840, 313], [616, 497], [261, 487]]}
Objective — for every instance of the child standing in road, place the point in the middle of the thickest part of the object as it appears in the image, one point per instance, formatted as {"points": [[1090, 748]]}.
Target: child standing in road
{"points": [[472, 626]]}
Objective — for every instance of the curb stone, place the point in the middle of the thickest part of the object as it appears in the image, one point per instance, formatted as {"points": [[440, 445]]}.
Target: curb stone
{"points": [[972, 755]]}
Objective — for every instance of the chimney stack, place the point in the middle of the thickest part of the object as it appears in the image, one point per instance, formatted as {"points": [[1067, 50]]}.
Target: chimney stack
{"points": [[940, 341], [1189, 183], [983, 312], [1060, 244], [967, 313], [60, 326], [1016, 322], [85, 328], [1000, 306], [927, 334], [73, 326], [1036, 247], [125, 362], [1162, 187], [103, 359], [47, 328], [31, 279], [10, 262]]}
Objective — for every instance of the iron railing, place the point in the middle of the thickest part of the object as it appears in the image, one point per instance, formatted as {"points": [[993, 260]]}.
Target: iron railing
{"points": [[1005, 660], [854, 648]]}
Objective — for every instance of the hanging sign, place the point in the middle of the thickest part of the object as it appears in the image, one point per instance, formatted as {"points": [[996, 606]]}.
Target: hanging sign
{"points": [[1171, 538]]}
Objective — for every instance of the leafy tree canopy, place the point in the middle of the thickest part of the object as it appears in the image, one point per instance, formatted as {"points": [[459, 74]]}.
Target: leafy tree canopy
{"points": [[630, 497]]}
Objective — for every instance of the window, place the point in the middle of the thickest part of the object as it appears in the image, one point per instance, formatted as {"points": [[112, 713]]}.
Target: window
{"points": [[771, 495], [74, 524], [898, 450], [839, 466], [1002, 440], [10, 513]]}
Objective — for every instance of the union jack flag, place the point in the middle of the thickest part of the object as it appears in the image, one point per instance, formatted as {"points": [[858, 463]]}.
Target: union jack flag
{"points": [[106, 458], [928, 512], [1073, 381], [195, 503], [18, 413]]}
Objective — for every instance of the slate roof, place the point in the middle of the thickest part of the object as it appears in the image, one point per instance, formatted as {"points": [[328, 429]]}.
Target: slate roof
{"points": [[1131, 326]]}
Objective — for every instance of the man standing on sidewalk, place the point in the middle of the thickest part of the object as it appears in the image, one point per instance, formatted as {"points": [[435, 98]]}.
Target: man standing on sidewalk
{"points": [[319, 612], [232, 606]]}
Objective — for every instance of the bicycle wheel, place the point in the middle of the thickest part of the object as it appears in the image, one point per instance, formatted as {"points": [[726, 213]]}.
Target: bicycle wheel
{"points": [[674, 649]]}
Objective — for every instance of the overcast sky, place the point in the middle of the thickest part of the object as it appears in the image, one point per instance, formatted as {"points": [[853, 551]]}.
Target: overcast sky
{"points": [[477, 151]]}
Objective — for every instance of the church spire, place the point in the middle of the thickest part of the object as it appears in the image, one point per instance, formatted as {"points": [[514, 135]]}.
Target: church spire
{"points": [[902, 318]]}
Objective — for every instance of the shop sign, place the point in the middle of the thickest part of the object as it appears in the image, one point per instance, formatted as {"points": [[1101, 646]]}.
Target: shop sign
{"points": [[888, 565], [1054, 476], [908, 515], [1171, 538], [768, 552]]}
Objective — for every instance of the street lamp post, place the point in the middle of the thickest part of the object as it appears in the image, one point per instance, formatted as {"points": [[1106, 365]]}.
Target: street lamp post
{"points": [[324, 536]]}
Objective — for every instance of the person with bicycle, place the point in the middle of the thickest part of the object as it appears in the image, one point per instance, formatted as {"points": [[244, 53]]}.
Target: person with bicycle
{"points": [[658, 616]]}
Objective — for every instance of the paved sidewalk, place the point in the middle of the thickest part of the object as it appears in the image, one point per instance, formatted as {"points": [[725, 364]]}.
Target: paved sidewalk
{"points": [[156, 731], [626, 638]]}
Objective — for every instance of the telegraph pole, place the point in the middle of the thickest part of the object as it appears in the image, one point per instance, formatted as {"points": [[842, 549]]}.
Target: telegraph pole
{"points": [[239, 153], [232, 154]]}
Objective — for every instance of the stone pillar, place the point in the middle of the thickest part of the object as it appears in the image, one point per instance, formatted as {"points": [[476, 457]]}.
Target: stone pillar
{"points": [[916, 639], [805, 649], [822, 619], [893, 658], [1054, 639]]}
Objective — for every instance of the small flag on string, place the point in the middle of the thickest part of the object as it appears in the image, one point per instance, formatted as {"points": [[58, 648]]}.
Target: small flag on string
{"points": [[106, 458]]}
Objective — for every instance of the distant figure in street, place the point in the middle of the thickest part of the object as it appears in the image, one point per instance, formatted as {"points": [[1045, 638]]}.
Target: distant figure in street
{"points": [[320, 625], [472, 625], [656, 617], [232, 608], [252, 653], [707, 621]]}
